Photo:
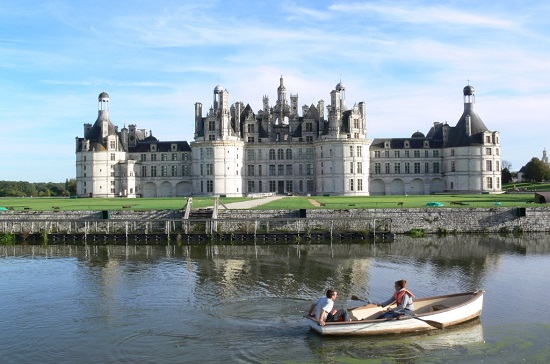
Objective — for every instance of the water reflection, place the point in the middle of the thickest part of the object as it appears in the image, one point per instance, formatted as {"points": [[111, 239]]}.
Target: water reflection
{"points": [[190, 303]]}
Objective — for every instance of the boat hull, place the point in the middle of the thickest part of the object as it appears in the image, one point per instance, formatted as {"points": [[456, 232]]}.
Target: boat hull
{"points": [[434, 313]]}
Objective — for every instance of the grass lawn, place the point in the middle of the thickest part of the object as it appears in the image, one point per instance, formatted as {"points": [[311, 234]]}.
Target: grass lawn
{"points": [[96, 204], [288, 203], [417, 201]]}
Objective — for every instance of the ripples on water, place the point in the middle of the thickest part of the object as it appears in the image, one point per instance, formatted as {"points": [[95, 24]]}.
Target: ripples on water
{"points": [[170, 304]]}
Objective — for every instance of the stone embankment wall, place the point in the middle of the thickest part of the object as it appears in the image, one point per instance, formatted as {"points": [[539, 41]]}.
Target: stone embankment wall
{"points": [[431, 220]]}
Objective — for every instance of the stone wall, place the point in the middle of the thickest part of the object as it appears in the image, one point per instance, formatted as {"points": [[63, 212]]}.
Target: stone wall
{"points": [[431, 220]]}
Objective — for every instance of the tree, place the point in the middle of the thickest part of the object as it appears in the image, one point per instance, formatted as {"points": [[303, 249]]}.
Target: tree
{"points": [[506, 165], [506, 175], [536, 171]]}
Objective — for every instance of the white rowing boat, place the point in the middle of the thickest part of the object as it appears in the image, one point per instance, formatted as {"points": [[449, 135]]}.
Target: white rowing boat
{"points": [[430, 313]]}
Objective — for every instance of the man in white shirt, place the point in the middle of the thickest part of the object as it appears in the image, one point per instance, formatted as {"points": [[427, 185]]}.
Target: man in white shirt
{"points": [[323, 311]]}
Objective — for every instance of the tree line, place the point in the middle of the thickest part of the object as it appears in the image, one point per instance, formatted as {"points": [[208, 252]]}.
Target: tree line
{"points": [[38, 189]]}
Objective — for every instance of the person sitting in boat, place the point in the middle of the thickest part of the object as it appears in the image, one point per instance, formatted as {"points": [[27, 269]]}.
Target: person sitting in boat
{"points": [[402, 297], [323, 310]]}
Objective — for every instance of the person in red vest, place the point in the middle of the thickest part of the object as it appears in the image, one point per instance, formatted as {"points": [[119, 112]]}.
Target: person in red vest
{"points": [[402, 297]]}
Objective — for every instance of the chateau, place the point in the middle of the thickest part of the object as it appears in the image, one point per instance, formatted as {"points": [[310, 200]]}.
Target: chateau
{"points": [[286, 149]]}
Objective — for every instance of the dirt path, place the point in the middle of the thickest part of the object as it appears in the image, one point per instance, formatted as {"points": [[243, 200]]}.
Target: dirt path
{"points": [[314, 202]]}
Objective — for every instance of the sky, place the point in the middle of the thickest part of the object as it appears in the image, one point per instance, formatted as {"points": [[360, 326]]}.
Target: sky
{"points": [[407, 60]]}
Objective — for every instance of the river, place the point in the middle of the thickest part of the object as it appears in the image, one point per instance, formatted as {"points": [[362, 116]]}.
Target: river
{"points": [[244, 304]]}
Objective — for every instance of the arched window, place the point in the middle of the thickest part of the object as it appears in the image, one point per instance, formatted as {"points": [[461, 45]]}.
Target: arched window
{"points": [[272, 154], [280, 154]]}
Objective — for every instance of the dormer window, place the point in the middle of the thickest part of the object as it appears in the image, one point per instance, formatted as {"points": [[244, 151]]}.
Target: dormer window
{"points": [[407, 144]]}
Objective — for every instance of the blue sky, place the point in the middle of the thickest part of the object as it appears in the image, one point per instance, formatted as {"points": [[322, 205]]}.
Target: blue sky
{"points": [[408, 60]]}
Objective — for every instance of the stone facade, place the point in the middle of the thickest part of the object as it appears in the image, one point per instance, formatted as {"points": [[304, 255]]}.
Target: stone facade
{"points": [[285, 149]]}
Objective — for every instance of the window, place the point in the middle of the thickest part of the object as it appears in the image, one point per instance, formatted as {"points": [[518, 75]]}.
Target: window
{"points": [[280, 170], [376, 154], [417, 167], [309, 169], [250, 139], [359, 151], [407, 167], [272, 154], [488, 151], [143, 157], [489, 166], [350, 167], [359, 167], [351, 184], [310, 186], [387, 168], [112, 156], [309, 153], [360, 184], [436, 167], [309, 138], [250, 171], [250, 128], [174, 171], [289, 154], [209, 169], [250, 186], [260, 170], [452, 152], [497, 166], [407, 154], [396, 153], [351, 150], [271, 170], [185, 156], [435, 153], [426, 167], [426, 153], [397, 168], [209, 186], [489, 182], [250, 154], [288, 186], [112, 144], [498, 182], [164, 171], [309, 127], [153, 157], [417, 154], [488, 139], [143, 171], [272, 186], [153, 171], [386, 154], [377, 168], [260, 186], [289, 169], [210, 153], [211, 125], [163, 157], [174, 156], [280, 154], [453, 166], [185, 170]]}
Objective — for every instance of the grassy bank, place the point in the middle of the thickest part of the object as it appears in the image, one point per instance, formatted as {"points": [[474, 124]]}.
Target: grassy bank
{"points": [[313, 202]]}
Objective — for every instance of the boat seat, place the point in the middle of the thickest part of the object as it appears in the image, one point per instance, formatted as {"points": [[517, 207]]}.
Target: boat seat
{"points": [[439, 307]]}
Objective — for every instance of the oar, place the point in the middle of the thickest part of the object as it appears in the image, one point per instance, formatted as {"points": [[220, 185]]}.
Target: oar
{"points": [[437, 325]]}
